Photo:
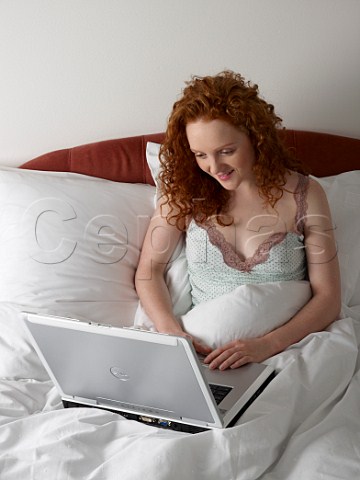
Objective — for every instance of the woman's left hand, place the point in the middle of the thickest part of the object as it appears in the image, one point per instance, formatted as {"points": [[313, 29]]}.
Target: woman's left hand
{"points": [[239, 352]]}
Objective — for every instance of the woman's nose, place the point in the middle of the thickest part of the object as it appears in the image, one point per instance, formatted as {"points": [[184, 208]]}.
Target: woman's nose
{"points": [[213, 165]]}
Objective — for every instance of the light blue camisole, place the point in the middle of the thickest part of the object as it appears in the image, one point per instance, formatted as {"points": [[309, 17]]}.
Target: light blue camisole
{"points": [[215, 268]]}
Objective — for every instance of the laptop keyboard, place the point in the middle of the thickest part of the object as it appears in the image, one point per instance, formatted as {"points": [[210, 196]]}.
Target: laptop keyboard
{"points": [[219, 392]]}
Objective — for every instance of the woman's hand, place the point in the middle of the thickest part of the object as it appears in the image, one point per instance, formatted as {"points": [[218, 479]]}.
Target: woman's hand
{"points": [[239, 352], [175, 329], [199, 347]]}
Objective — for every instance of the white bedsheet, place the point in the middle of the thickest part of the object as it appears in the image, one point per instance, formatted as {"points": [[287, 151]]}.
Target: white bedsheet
{"points": [[304, 426]]}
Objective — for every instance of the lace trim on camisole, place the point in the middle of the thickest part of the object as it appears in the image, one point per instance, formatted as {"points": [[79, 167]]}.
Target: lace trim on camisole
{"points": [[301, 203], [232, 259], [261, 255]]}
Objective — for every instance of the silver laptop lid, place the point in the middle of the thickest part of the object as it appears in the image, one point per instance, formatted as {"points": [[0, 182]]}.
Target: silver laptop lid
{"points": [[124, 369]]}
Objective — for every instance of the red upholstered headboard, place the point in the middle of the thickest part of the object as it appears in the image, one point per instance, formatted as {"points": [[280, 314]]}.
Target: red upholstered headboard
{"points": [[124, 159]]}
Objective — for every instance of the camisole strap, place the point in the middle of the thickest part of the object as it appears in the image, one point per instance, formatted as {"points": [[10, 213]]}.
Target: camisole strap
{"points": [[301, 203]]}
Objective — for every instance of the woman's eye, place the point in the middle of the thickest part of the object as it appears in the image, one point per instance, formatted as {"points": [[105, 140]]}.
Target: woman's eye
{"points": [[227, 152], [200, 155]]}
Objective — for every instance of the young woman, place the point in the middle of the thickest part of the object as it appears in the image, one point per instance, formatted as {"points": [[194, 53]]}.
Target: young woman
{"points": [[225, 171]]}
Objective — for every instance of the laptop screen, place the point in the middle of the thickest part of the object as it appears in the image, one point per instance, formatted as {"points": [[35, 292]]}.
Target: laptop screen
{"points": [[121, 368]]}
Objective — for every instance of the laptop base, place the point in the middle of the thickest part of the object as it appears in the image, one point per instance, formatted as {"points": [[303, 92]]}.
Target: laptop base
{"points": [[154, 422], [167, 424]]}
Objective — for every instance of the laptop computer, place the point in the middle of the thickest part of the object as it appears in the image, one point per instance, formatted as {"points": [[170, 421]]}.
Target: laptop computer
{"points": [[150, 377]]}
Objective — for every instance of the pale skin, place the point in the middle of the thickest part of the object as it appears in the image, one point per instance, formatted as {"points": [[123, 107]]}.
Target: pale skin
{"points": [[226, 153]]}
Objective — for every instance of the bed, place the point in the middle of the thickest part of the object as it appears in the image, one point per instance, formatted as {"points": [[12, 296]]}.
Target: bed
{"points": [[72, 228]]}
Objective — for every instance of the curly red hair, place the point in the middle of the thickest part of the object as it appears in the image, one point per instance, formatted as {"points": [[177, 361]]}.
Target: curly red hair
{"points": [[227, 96]]}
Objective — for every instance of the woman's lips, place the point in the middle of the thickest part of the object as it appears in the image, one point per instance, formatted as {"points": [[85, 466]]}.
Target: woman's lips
{"points": [[225, 176]]}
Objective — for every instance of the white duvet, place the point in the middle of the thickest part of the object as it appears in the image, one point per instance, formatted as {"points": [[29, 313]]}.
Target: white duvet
{"points": [[305, 425]]}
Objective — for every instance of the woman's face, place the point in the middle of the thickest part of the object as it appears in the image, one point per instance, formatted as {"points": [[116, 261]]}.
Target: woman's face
{"points": [[222, 151]]}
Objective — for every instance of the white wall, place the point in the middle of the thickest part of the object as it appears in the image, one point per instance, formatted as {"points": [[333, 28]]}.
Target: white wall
{"points": [[77, 71]]}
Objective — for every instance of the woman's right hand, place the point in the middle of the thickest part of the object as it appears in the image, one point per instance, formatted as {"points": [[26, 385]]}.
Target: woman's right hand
{"points": [[199, 347]]}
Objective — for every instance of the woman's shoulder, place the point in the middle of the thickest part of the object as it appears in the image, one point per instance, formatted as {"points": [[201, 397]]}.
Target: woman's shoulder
{"points": [[297, 182], [311, 190], [308, 191], [167, 213]]}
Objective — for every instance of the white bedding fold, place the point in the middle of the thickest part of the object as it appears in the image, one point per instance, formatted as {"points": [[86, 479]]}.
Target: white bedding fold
{"points": [[304, 426]]}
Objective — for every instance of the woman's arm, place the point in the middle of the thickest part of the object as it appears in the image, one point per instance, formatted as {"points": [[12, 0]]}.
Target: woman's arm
{"points": [[159, 244], [322, 309], [323, 271]]}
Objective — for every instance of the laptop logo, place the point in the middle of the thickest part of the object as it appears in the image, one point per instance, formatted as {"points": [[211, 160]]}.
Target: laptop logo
{"points": [[118, 373]]}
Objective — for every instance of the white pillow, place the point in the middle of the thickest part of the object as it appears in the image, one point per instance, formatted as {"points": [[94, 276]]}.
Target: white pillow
{"points": [[248, 311], [70, 244], [152, 158], [343, 194]]}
